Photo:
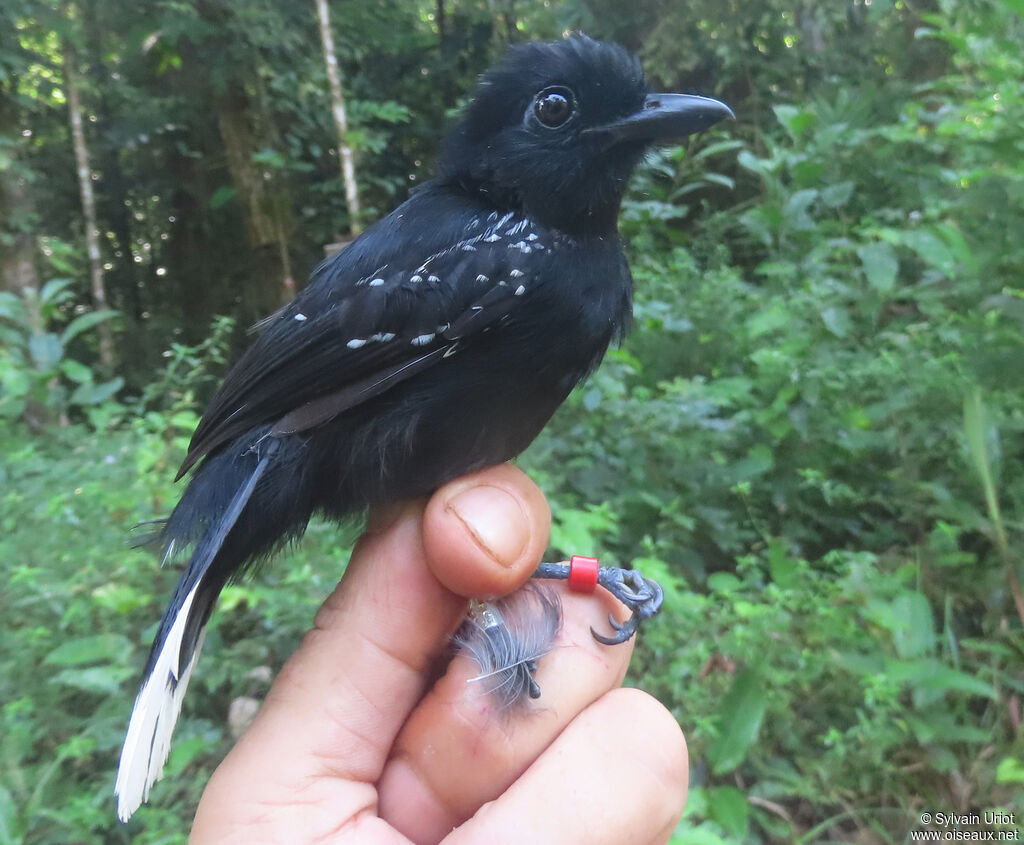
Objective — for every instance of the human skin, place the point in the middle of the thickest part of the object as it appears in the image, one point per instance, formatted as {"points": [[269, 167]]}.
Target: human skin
{"points": [[359, 741]]}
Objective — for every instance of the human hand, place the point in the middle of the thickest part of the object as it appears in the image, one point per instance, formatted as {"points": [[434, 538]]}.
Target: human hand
{"points": [[356, 742]]}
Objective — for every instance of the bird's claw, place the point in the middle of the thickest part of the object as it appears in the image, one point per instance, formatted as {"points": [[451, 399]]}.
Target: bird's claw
{"points": [[641, 595]]}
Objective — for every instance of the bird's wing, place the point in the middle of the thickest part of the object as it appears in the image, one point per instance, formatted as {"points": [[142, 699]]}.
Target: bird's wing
{"points": [[372, 318]]}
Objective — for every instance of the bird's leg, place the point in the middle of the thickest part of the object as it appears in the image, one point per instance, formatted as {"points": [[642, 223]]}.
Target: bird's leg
{"points": [[641, 595]]}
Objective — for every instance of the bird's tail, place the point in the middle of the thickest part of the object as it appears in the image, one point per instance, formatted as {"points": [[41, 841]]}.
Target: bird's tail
{"points": [[224, 513]]}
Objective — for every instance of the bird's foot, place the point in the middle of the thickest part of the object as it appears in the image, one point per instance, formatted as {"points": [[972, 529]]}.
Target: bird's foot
{"points": [[641, 595]]}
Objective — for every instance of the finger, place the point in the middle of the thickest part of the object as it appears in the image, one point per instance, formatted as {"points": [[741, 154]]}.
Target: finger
{"points": [[617, 774], [332, 715], [503, 515], [459, 749]]}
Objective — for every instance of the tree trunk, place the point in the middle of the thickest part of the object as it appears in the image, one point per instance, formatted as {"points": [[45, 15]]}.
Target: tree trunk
{"points": [[263, 200], [17, 218], [92, 232], [18, 257], [124, 281], [345, 154]]}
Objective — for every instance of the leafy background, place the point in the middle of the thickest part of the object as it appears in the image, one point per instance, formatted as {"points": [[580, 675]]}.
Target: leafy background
{"points": [[813, 436]]}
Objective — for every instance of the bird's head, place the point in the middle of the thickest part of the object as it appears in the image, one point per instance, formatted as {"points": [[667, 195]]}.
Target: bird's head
{"points": [[556, 129]]}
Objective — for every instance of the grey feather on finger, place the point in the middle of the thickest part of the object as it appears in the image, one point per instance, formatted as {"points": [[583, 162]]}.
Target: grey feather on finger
{"points": [[506, 638]]}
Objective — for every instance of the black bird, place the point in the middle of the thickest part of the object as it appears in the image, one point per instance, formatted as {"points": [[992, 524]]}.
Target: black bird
{"points": [[438, 343]]}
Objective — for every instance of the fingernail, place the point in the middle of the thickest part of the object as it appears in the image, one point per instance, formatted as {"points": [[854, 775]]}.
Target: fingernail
{"points": [[495, 519]]}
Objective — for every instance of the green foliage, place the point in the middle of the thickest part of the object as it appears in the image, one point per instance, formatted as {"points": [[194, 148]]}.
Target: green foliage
{"points": [[816, 427], [814, 437], [86, 606], [38, 378], [190, 371]]}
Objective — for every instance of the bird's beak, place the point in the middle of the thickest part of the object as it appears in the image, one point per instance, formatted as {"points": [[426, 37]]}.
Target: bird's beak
{"points": [[666, 117]]}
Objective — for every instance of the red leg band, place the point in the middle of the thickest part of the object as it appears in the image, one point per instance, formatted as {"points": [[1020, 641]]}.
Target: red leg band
{"points": [[582, 574]]}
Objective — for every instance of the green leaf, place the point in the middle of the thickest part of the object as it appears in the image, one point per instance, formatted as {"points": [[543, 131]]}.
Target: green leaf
{"points": [[767, 320], [1015, 6], [704, 834], [929, 246], [728, 806], [222, 196], [837, 195], [84, 322], [573, 530], [93, 394], [983, 448], [185, 420], [119, 598], [939, 726], [795, 209], [916, 635], [91, 649], [54, 291], [720, 147], [880, 265], [945, 678], [837, 321], [46, 350], [183, 753], [756, 462], [782, 567], [10, 826], [751, 162], [106, 680], [720, 179], [1010, 770], [739, 718], [76, 371], [794, 120], [11, 307], [934, 676], [723, 582]]}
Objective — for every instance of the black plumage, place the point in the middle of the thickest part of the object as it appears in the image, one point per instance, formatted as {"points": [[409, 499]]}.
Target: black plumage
{"points": [[440, 342]]}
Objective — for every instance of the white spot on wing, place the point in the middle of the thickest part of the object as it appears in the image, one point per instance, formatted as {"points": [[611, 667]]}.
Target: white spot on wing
{"points": [[520, 290], [376, 283], [300, 317], [482, 278], [356, 343], [423, 339], [516, 274]]}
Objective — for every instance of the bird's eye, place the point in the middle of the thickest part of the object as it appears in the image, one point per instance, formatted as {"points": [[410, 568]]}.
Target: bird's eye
{"points": [[554, 106]]}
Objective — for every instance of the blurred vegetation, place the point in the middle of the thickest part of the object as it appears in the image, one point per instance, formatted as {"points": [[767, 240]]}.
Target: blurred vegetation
{"points": [[814, 436]]}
